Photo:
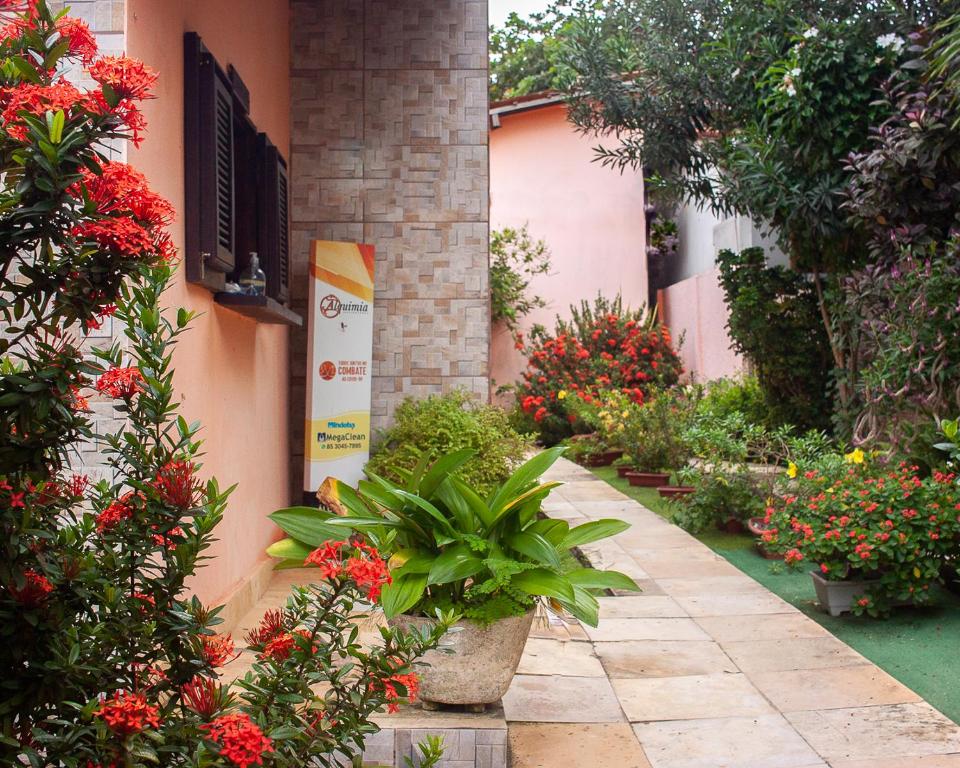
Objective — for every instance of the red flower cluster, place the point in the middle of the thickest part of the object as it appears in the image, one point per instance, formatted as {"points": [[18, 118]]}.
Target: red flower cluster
{"points": [[128, 713], [177, 486], [37, 99], [34, 591], [601, 353], [115, 513], [364, 567], [129, 78], [410, 683], [120, 383], [218, 649], [282, 645], [240, 740], [202, 695], [271, 625]]}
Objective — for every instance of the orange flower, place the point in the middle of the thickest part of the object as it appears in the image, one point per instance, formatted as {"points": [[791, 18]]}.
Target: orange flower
{"points": [[128, 713], [240, 740]]}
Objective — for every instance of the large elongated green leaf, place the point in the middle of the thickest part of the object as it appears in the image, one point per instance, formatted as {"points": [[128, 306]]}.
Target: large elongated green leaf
{"points": [[584, 606], [525, 476], [591, 578], [351, 500], [535, 546], [405, 592], [427, 507], [411, 561], [593, 531], [307, 524], [289, 549], [552, 530], [382, 497], [454, 564], [525, 505], [442, 468], [479, 507], [448, 495], [542, 581]]}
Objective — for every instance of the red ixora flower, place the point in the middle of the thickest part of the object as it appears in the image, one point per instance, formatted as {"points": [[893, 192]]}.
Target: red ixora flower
{"points": [[240, 740], [37, 99], [177, 485], [271, 625], [34, 591], [128, 713], [120, 383], [129, 78], [80, 39], [365, 567], [410, 682], [121, 189], [218, 649], [281, 646], [202, 695], [113, 514]]}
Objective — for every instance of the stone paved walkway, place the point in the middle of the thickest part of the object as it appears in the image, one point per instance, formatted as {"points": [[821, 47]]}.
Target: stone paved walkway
{"points": [[704, 669]]}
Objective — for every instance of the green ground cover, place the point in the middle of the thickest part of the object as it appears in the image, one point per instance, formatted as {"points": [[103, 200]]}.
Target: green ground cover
{"points": [[916, 646]]}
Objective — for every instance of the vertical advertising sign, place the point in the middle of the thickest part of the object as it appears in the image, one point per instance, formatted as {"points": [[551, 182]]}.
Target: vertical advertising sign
{"points": [[340, 348]]}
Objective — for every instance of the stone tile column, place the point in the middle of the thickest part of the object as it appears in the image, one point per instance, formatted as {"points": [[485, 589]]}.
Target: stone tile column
{"points": [[389, 119]]}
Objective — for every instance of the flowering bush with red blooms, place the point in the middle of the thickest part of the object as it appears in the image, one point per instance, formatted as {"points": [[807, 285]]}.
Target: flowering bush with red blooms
{"points": [[602, 347], [864, 520], [106, 658]]}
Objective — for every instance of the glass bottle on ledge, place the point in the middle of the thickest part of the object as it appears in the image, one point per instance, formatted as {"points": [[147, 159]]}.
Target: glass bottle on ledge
{"points": [[254, 281]]}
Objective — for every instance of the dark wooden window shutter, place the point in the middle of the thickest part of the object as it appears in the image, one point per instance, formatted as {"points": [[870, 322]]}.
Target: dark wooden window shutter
{"points": [[274, 219], [209, 166]]}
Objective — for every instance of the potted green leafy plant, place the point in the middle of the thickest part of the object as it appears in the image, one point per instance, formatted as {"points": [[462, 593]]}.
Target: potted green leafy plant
{"points": [[489, 559], [652, 436]]}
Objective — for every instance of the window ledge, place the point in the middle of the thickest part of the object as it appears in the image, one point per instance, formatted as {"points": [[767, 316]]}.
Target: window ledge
{"points": [[261, 308]]}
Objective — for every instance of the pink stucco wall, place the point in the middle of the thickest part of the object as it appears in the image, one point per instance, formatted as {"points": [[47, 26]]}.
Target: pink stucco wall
{"points": [[231, 372], [591, 217], [695, 309]]}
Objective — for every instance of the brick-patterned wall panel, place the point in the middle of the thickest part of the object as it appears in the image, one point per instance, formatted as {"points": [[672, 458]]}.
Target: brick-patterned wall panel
{"points": [[389, 115]]}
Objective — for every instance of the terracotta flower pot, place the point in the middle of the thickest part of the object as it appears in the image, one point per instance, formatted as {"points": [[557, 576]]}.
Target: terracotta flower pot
{"points": [[604, 459], [624, 470], [675, 491], [648, 479], [478, 662]]}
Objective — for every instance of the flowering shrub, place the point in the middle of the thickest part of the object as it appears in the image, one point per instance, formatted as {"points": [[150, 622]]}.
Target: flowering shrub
{"points": [[602, 347], [106, 660], [859, 519]]}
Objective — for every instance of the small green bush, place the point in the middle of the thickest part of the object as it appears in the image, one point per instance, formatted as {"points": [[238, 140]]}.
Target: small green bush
{"points": [[725, 396], [440, 424]]}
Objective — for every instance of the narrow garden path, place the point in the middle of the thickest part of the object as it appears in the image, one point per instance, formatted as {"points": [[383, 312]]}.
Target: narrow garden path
{"points": [[705, 668]]}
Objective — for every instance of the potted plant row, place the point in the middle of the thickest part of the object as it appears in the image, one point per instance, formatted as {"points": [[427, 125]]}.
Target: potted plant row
{"points": [[874, 536], [490, 559]]}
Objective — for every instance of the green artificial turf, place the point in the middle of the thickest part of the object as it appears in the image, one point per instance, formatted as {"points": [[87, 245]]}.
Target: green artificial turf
{"points": [[920, 647]]}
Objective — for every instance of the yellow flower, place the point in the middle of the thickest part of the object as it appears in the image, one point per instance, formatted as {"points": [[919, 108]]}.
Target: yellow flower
{"points": [[791, 470], [855, 456], [561, 394], [625, 414]]}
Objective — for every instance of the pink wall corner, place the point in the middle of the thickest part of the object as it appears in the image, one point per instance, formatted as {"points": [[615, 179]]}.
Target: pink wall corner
{"points": [[231, 372], [542, 174], [695, 308]]}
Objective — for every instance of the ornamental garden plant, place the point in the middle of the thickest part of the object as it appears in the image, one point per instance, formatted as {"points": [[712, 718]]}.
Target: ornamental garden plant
{"points": [[861, 519], [490, 559], [107, 660], [603, 347]]}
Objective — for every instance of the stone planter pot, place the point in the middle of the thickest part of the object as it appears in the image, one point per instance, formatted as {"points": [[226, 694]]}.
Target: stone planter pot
{"points": [[648, 479], [756, 526], [675, 491], [836, 597], [625, 470], [604, 459], [478, 662]]}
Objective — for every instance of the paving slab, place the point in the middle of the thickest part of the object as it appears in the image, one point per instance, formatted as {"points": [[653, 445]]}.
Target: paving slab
{"points": [[831, 688], [795, 653], [780, 626], [766, 741], [715, 585], [588, 745], [690, 697], [557, 699], [873, 733], [643, 606], [929, 761], [558, 657], [746, 603], [646, 629], [663, 658]]}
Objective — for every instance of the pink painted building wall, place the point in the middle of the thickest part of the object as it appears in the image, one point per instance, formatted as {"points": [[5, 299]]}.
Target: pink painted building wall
{"points": [[591, 217], [231, 371]]}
